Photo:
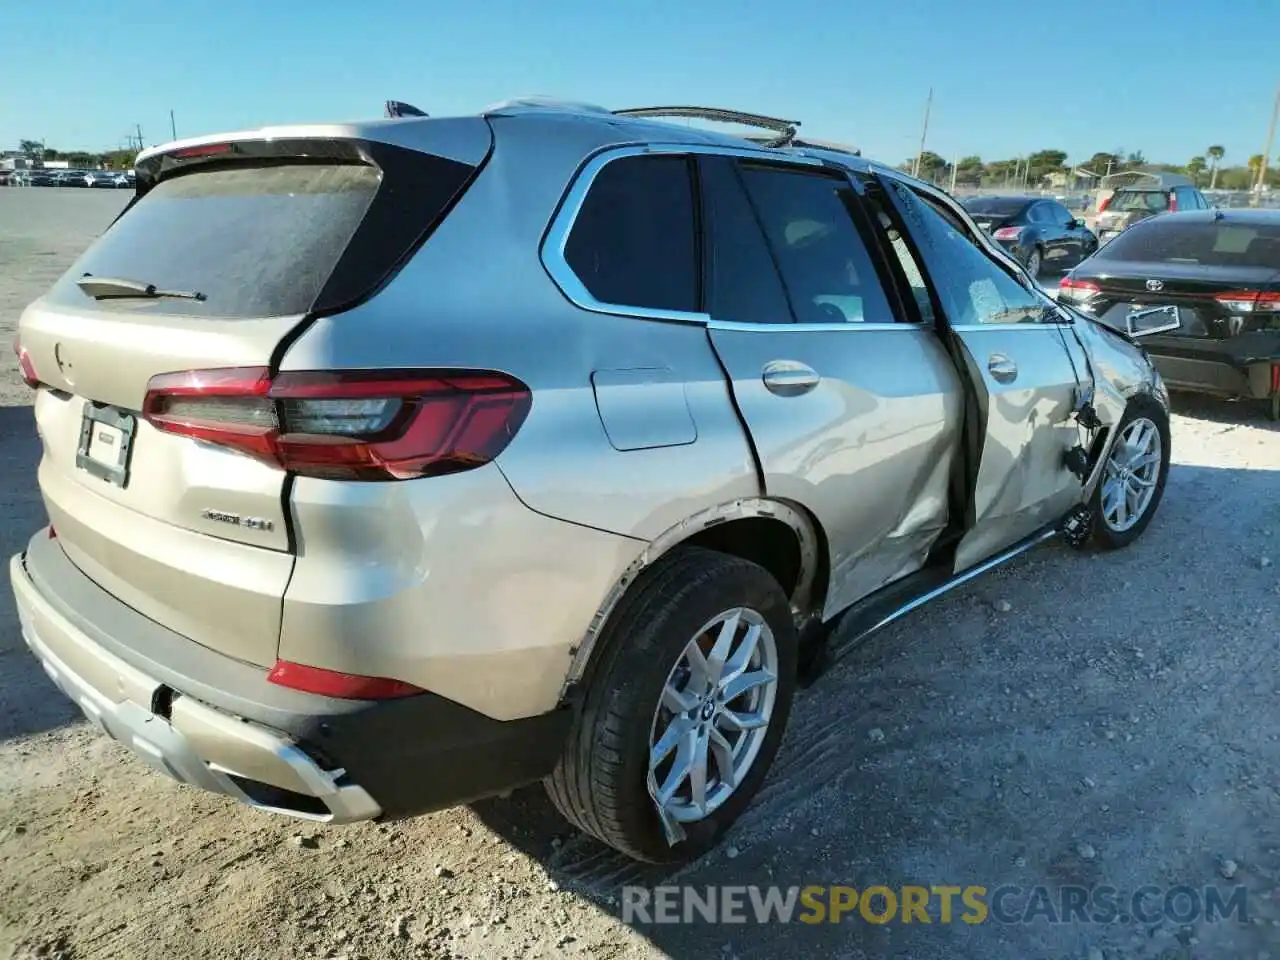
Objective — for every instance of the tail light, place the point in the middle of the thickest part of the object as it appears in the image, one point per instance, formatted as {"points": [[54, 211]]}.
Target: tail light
{"points": [[1007, 233], [343, 686], [1250, 301], [27, 368], [1074, 289], [1173, 203], [1102, 207], [345, 425]]}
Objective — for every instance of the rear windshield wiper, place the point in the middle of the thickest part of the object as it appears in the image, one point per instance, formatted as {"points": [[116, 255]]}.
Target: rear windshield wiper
{"points": [[117, 288]]}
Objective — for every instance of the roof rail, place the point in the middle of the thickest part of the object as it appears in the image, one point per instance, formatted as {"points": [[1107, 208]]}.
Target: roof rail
{"points": [[786, 129], [801, 143]]}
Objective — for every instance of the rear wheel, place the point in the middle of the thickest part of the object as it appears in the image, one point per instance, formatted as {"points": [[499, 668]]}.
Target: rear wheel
{"points": [[684, 710], [1274, 409], [1133, 476], [1035, 260]]}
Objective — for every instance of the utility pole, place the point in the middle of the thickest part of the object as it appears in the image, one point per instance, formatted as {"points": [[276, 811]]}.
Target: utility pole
{"points": [[139, 127], [173, 130], [924, 132], [1271, 141], [954, 160]]}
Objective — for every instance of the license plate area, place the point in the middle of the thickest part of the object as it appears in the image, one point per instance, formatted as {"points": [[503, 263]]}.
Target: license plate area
{"points": [[106, 442]]}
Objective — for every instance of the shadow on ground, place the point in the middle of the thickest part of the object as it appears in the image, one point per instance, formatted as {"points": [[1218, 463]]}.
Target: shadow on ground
{"points": [[1234, 412], [29, 702]]}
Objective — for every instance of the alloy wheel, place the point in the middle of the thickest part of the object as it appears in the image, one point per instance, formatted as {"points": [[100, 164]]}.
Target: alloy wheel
{"points": [[1130, 475], [713, 715]]}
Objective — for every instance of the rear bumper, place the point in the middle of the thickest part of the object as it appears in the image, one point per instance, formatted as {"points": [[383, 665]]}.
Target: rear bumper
{"points": [[216, 723], [1241, 366]]}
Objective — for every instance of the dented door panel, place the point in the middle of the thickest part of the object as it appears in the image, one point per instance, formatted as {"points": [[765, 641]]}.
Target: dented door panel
{"points": [[868, 448]]}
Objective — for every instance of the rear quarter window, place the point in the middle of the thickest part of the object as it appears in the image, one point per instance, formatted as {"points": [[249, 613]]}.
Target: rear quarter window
{"points": [[1205, 242]]}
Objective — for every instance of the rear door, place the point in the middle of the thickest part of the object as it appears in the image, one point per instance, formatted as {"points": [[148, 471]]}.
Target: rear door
{"points": [[1023, 369], [238, 242], [853, 409]]}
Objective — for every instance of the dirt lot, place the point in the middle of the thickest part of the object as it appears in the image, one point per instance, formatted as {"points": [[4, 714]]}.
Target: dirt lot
{"points": [[1071, 719]]}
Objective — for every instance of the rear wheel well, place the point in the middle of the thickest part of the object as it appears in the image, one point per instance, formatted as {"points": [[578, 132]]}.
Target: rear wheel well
{"points": [[770, 543]]}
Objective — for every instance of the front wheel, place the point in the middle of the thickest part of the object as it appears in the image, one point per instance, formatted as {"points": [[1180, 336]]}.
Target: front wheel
{"points": [[684, 710], [1133, 476]]}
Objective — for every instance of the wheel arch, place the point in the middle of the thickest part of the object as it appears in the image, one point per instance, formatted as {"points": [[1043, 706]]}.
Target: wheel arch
{"points": [[782, 536]]}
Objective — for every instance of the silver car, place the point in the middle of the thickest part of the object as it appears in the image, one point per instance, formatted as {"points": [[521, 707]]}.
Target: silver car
{"points": [[397, 464]]}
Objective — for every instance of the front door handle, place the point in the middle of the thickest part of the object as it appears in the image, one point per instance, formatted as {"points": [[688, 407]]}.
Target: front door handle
{"points": [[789, 378], [1001, 368]]}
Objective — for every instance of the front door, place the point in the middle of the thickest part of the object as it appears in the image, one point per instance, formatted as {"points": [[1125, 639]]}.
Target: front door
{"points": [[1024, 370], [853, 413]]}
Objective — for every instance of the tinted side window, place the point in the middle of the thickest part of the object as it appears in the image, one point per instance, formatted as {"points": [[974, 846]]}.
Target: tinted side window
{"points": [[1060, 214], [632, 243], [742, 279], [973, 288], [1039, 213], [808, 221]]}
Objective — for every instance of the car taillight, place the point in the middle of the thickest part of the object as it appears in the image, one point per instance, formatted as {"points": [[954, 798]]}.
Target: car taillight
{"points": [[1007, 233], [1102, 207], [348, 424], [1173, 203], [1074, 289], [25, 366], [343, 686], [1250, 301]]}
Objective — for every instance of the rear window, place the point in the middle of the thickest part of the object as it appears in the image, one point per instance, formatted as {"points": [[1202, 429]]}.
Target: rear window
{"points": [[257, 241], [1141, 201], [998, 206], [1208, 242]]}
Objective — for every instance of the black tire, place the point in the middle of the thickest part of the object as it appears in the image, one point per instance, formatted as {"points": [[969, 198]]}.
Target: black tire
{"points": [[1103, 535], [1273, 406], [600, 782], [1036, 255]]}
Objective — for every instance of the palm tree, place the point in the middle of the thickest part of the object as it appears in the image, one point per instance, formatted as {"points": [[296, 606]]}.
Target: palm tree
{"points": [[1195, 167], [1216, 153], [1255, 165]]}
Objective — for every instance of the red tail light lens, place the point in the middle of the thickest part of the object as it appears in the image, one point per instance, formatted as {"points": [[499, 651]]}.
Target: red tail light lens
{"points": [[345, 425], [1007, 233], [343, 686], [1250, 301], [1074, 289], [1173, 203], [1102, 207], [25, 366]]}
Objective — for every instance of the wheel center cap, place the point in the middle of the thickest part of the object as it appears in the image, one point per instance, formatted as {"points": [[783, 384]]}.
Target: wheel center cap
{"points": [[708, 710]]}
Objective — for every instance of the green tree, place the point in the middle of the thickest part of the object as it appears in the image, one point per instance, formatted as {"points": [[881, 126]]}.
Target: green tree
{"points": [[1255, 166], [1136, 159], [931, 165], [969, 169], [1043, 162], [1195, 167], [1103, 163], [33, 149], [1216, 153]]}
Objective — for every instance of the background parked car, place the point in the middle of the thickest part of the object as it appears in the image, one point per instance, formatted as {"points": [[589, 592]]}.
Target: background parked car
{"points": [[1219, 271], [43, 178], [1165, 193], [101, 178], [1041, 233]]}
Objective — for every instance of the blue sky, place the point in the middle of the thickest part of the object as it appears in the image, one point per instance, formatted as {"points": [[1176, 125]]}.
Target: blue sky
{"points": [[1169, 78]]}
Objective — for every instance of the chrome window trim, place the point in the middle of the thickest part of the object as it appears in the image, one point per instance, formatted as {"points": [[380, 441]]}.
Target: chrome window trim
{"points": [[742, 325], [1029, 325], [556, 240]]}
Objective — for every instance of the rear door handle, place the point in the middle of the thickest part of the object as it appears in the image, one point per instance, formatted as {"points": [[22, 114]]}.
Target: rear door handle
{"points": [[789, 378], [1001, 368]]}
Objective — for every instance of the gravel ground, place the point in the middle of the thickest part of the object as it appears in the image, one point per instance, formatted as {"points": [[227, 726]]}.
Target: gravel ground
{"points": [[1073, 718]]}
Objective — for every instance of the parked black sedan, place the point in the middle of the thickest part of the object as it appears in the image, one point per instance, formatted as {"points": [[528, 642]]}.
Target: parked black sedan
{"points": [[1218, 274], [1041, 233]]}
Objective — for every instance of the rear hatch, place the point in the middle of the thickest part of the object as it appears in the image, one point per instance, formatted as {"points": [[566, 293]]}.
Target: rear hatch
{"points": [[228, 248], [1127, 207]]}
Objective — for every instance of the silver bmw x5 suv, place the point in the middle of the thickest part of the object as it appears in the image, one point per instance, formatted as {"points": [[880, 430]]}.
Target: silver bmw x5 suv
{"points": [[396, 464]]}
